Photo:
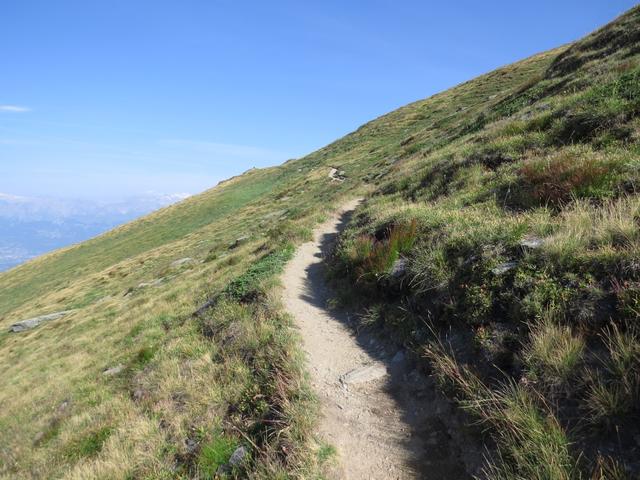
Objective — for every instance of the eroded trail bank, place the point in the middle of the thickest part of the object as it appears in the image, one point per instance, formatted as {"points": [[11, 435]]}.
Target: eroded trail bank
{"points": [[382, 415]]}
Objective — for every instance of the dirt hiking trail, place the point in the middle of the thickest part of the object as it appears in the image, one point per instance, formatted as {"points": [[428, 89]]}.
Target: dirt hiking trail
{"points": [[382, 415]]}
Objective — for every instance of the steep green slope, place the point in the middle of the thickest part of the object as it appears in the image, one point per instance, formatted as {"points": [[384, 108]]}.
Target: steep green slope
{"points": [[516, 235], [529, 171], [175, 385]]}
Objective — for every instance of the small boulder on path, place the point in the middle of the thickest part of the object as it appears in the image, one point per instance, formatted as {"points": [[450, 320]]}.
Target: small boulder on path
{"points": [[364, 374], [31, 323]]}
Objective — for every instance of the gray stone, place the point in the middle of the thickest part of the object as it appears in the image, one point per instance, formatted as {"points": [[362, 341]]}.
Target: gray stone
{"points": [[239, 241], [338, 176], [113, 370], [532, 242], [191, 445], [152, 283], [181, 261], [504, 268], [399, 268], [34, 322], [239, 456], [364, 374]]}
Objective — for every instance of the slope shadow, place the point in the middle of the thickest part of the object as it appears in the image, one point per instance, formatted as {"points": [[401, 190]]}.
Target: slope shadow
{"points": [[439, 443]]}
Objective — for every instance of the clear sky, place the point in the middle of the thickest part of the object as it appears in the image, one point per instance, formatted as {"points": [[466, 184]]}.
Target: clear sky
{"points": [[118, 97]]}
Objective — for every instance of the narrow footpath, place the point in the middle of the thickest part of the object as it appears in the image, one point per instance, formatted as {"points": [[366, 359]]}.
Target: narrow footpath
{"points": [[381, 414]]}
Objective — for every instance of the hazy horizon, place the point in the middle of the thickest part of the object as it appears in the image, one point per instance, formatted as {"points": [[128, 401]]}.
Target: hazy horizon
{"points": [[32, 226]]}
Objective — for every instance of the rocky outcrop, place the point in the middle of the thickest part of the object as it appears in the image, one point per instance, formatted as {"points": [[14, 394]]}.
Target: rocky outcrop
{"points": [[31, 323], [337, 175]]}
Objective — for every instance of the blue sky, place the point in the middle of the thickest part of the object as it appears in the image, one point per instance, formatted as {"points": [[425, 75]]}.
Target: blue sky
{"points": [[106, 99]]}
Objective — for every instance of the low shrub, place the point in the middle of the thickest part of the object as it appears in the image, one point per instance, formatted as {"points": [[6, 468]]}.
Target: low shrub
{"points": [[554, 352], [374, 257], [614, 391], [570, 173], [585, 228], [531, 442]]}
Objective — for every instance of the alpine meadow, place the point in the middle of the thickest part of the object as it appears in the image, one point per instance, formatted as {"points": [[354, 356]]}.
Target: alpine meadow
{"points": [[496, 245]]}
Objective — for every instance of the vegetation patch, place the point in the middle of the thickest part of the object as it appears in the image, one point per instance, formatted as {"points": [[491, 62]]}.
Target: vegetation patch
{"points": [[521, 283], [213, 455], [88, 445], [246, 285]]}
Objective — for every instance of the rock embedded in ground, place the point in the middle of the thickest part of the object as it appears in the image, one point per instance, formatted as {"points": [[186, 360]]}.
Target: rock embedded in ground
{"points": [[138, 394], [532, 242], [113, 370], [238, 241], [239, 456], [30, 323], [337, 175], [364, 374], [399, 268], [181, 261], [152, 283], [504, 268], [277, 213]]}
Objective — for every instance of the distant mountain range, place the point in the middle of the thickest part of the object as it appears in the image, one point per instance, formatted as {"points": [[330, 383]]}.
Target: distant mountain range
{"points": [[31, 226]]}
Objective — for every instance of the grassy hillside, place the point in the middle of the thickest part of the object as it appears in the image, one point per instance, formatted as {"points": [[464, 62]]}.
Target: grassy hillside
{"points": [[188, 389], [516, 231], [508, 201]]}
